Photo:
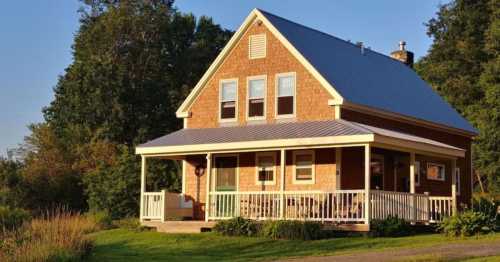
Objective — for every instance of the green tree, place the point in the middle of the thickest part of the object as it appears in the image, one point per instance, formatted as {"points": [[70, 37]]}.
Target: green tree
{"points": [[463, 66]]}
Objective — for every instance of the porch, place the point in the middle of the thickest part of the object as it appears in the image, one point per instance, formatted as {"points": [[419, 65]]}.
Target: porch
{"points": [[349, 178]]}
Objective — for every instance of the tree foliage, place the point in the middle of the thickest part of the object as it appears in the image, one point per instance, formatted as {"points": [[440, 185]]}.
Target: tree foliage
{"points": [[463, 65], [133, 63]]}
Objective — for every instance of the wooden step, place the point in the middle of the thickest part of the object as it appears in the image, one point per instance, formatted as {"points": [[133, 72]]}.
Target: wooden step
{"points": [[180, 226]]}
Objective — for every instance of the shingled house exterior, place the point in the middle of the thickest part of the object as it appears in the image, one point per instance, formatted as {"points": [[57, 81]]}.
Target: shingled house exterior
{"points": [[292, 123]]}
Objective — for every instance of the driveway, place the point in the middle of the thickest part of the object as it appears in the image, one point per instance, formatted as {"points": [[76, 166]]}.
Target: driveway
{"points": [[441, 252]]}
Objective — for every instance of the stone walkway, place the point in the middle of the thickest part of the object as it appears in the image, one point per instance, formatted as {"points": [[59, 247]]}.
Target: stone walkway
{"points": [[444, 252]]}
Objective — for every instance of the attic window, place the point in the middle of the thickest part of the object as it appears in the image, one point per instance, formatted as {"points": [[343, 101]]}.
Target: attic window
{"points": [[257, 46]]}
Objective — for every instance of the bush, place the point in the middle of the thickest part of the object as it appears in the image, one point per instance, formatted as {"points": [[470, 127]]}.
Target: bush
{"points": [[101, 219], [130, 223], [390, 227], [58, 236], [11, 218], [237, 227], [490, 208], [292, 229], [467, 223]]}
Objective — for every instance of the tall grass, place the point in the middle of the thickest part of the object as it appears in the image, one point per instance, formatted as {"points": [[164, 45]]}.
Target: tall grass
{"points": [[56, 236]]}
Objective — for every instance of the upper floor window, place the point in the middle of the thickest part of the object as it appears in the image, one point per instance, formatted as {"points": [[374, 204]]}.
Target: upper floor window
{"points": [[285, 98], [256, 97], [257, 46], [435, 171], [228, 99]]}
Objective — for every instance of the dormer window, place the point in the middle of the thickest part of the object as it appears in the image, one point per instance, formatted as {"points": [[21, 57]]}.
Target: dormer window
{"points": [[228, 101], [285, 98], [257, 46], [256, 97]]}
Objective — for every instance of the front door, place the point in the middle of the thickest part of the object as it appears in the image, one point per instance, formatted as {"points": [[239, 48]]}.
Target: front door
{"points": [[225, 173]]}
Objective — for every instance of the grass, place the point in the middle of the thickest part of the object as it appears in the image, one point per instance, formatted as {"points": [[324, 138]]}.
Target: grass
{"points": [[125, 245]]}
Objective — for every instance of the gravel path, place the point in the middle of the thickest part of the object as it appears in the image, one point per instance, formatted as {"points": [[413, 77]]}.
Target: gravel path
{"points": [[445, 252]]}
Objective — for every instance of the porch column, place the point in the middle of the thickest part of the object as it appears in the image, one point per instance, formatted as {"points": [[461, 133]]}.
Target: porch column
{"points": [[207, 198], [143, 186], [453, 186], [412, 187], [412, 172], [367, 184], [282, 184]]}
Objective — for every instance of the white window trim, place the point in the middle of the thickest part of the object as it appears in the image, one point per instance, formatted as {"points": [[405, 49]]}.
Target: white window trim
{"points": [[277, 76], [214, 171], [257, 181], [457, 179], [313, 167], [250, 46], [258, 77], [436, 164], [417, 173], [228, 120]]}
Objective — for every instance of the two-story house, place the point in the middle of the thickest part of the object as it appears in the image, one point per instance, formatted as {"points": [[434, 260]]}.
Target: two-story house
{"points": [[292, 123]]}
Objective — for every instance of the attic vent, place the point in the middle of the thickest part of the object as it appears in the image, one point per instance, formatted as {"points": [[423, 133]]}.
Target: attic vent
{"points": [[257, 46]]}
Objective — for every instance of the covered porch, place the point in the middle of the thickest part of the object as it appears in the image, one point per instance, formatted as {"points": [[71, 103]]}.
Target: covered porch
{"points": [[359, 173]]}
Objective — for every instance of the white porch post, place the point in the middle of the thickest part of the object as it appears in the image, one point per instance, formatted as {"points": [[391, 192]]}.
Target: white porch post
{"points": [[282, 184], [412, 186], [367, 184], [143, 186], [453, 186], [207, 198]]}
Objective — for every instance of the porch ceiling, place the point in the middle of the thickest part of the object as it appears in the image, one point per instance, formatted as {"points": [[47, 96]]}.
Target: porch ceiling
{"points": [[287, 135]]}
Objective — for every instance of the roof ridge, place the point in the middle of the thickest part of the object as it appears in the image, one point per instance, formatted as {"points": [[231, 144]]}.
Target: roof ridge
{"points": [[355, 126], [329, 35]]}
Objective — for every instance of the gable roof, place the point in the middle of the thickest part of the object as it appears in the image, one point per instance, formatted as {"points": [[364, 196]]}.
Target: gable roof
{"points": [[370, 78], [366, 79]]}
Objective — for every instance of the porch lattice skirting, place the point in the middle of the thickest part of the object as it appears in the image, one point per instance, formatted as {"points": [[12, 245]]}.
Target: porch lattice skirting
{"points": [[339, 206]]}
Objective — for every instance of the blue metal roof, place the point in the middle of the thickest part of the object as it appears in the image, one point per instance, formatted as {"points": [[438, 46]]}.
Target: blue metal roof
{"points": [[369, 78]]}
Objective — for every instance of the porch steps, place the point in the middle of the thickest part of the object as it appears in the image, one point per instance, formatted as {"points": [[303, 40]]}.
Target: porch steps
{"points": [[180, 226]]}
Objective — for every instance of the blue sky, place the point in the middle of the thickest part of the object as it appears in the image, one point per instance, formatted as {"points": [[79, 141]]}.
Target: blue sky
{"points": [[36, 38]]}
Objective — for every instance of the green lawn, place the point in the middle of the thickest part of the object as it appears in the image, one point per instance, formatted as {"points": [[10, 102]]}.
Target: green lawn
{"points": [[124, 245]]}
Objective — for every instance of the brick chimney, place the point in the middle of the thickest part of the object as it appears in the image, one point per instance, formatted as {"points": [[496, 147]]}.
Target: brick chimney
{"points": [[403, 55]]}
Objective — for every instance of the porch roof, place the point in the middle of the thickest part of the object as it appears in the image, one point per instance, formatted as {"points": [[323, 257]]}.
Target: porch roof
{"points": [[289, 134]]}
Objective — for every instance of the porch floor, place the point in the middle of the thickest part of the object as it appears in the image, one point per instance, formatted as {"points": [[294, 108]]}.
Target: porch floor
{"points": [[180, 226]]}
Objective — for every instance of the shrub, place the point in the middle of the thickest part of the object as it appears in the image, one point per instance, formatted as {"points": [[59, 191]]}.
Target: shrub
{"points": [[390, 227], [11, 218], [237, 227], [490, 208], [101, 218], [467, 223], [130, 223], [292, 229], [58, 236]]}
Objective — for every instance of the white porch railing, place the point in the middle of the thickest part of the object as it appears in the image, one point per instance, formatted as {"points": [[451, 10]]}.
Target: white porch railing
{"points": [[411, 207], [154, 205], [337, 206], [439, 208]]}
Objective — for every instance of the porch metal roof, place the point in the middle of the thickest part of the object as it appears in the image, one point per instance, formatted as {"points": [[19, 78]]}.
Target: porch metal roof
{"points": [[289, 131], [257, 133]]}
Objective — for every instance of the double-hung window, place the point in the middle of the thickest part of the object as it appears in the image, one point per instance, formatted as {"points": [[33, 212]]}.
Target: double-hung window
{"points": [[266, 163], [303, 172], [285, 98], [256, 97], [457, 179], [228, 100]]}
